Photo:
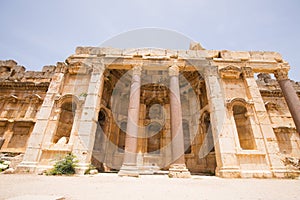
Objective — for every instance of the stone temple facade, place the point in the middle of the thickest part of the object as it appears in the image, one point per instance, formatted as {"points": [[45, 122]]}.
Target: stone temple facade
{"points": [[147, 111]]}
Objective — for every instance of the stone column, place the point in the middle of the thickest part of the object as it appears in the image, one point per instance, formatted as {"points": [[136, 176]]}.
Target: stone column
{"points": [[129, 167], [178, 168], [290, 96]]}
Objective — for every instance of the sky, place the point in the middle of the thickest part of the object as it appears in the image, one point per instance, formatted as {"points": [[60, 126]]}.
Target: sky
{"points": [[39, 33]]}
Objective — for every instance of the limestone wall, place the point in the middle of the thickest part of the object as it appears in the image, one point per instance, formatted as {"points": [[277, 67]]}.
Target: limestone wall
{"points": [[21, 96], [70, 107], [282, 122]]}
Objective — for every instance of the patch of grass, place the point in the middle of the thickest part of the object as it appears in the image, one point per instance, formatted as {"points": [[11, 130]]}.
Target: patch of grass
{"points": [[91, 167], [65, 166]]}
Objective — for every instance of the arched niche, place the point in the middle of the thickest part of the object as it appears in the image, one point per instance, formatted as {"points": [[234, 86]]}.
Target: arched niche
{"points": [[67, 110], [154, 135], [243, 126]]}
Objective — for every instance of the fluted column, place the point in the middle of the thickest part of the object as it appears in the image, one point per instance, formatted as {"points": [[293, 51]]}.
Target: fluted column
{"points": [[129, 167], [290, 96], [178, 168]]}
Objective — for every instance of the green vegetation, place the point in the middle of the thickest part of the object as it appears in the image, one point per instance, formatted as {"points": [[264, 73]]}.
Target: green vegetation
{"points": [[65, 166], [3, 165], [91, 167]]}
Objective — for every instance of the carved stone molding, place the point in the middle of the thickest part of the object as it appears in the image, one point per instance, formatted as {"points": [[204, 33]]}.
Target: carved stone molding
{"points": [[271, 106], [10, 98], [174, 70], [281, 74], [43, 86], [231, 102], [79, 68], [34, 98], [137, 70], [60, 99], [247, 72], [230, 72], [284, 129], [98, 68], [271, 93]]}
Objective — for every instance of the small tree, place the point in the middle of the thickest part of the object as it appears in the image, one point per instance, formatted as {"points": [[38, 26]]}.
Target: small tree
{"points": [[64, 166]]}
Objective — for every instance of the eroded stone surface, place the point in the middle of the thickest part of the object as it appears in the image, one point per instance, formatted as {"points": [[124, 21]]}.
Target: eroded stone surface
{"points": [[233, 123]]}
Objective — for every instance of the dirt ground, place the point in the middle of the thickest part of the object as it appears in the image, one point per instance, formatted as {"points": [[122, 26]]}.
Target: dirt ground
{"points": [[110, 186]]}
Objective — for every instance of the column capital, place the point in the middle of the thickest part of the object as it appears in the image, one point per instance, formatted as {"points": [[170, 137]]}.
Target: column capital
{"points": [[281, 74], [98, 68], [247, 72], [173, 70], [210, 71], [137, 70]]}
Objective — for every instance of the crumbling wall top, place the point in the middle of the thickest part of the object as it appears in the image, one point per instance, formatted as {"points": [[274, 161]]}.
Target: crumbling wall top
{"points": [[195, 51], [10, 71]]}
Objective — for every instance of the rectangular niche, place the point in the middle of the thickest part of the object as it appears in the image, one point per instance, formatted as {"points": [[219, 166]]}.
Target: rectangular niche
{"points": [[21, 133]]}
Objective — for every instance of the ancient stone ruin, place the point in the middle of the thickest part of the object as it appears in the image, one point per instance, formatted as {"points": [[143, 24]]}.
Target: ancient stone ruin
{"points": [[147, 111]]}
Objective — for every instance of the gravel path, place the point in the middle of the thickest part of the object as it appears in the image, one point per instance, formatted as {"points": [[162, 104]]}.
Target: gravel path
{"points": [[110, 186]]}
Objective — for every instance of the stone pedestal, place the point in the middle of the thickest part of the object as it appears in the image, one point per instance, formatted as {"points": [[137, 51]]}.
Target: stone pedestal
{"points": [[129, 167], [179, 171], [178, 168], [130, 170]]}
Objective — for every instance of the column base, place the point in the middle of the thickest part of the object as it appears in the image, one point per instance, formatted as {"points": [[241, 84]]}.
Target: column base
{"points": [[285, 173], [81, 168], [26, 167], [179, 171], [130, 170]]}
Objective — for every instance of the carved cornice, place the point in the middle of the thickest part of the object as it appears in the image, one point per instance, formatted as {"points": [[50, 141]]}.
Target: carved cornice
{"points": [[79, 68], [284, 129], [24, 86], [230, 72], [32, 98], [271, 93]]}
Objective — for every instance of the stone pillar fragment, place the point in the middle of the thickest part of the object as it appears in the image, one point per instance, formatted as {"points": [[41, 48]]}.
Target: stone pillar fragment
{"points": [[33, 151], [264, 125], [290, 96], [129, 167], [227, 165], [87, 124], [178, 168]]}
